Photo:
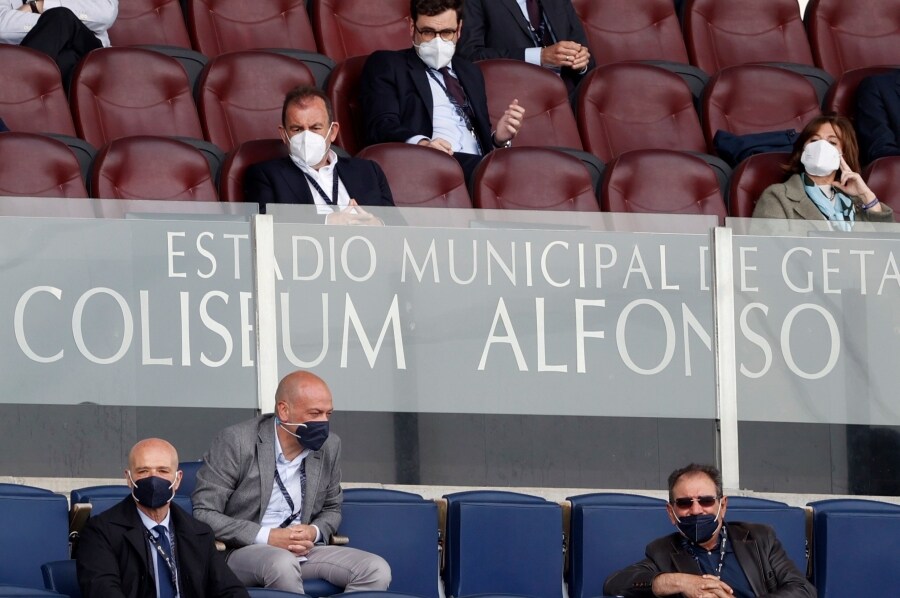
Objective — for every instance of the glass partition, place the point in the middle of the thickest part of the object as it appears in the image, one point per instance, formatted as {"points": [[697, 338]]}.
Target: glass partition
{"points": [[817, 338]]}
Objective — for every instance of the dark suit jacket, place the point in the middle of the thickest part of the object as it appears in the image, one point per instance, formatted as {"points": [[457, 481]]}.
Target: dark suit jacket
{"points": [[281, 181], [757, 550], [878, 116], [113, 559], [397, 100], [235, 483], [498, 29]]}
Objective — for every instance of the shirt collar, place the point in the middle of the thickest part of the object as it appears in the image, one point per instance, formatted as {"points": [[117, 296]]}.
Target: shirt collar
{"points": [[327, 169], [150, 524], [279, 453]]}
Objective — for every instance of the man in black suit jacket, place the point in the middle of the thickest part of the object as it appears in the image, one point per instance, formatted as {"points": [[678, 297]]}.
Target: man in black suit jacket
{"points": [[547, 33], [313, 173], [707, 556], [430, 96], [878, 116], [122, 552]]}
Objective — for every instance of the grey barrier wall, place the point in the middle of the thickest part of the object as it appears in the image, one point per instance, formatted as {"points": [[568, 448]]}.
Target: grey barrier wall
{"points": [[462, 347]]}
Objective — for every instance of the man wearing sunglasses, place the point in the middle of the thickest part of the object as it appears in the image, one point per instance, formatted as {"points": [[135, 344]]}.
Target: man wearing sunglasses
{"points": [[707, 558]]}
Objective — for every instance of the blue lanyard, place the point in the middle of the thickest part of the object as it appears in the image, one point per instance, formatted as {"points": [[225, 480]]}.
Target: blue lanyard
{"points": [[722, 544], [169, 560], [332, 201], [287, 497], [461, 111]]}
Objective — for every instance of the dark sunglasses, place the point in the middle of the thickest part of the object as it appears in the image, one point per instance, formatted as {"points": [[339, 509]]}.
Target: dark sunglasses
{"points": [[686, 502]]}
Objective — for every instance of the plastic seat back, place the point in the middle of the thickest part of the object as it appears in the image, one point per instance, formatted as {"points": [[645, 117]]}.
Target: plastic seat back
{"points": [[43, 167], [343, 91], [883, 177], [629, 106], [610, 531], [119, 92], [141, 22], [102, 498], [661, 181], [850, 35], [444, 187], [533, 178], [345, 28], [503, 542], [841, 98], [402, 528], [549, 120], [231, 181], [622, 30], [750, 179], [722, 34], [220, 26], [788, 522], [756, 98], [34, 529], [61, 577], [145, 167], [189, 471], [241, 95], [32, 98]]}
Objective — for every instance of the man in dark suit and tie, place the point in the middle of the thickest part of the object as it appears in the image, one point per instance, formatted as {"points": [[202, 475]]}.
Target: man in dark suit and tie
{"points": [[878, 116], [546, 33], [431, 96], [270, 487], [146, 547], [313, 173]]}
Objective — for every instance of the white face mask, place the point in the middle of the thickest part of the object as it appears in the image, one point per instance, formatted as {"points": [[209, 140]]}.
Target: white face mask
{"points": [[820, 158], [437, 53], [309, 148]]}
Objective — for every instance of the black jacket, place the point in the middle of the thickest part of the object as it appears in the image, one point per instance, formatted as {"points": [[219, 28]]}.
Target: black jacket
{"points": [[113, 558], [765, 563]]}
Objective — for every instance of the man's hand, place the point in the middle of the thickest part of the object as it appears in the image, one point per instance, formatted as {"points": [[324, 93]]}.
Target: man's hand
{"points": [[509, 124], [438, 144], [352, 215], [292, 538], [566, 54], [692, 586]]}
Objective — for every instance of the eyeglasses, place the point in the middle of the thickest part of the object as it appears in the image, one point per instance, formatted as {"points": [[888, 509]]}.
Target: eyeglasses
{"points": [[686, 502], [429, 34]]}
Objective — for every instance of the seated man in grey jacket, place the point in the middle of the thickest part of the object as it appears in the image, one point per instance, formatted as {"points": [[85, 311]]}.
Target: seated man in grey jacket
{"points": [[707, 557]]}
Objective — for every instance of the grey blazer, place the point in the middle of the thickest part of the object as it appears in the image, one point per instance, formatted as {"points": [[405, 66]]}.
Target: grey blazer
{"points": [[789, 200], [235, 483]]}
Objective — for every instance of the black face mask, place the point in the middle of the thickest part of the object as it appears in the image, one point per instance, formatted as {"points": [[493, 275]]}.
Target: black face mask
{"points": [[310, 435], [152, 492]]}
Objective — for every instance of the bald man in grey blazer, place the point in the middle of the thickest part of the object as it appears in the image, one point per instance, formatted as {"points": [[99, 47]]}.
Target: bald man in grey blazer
{"points": [[270, 488]]}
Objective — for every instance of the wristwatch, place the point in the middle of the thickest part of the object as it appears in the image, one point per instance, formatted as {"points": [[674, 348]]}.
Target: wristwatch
{"points": [[507, 143]]}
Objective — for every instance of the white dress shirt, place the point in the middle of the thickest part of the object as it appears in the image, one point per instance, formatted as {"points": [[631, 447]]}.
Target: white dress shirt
{"points": [[447, 124], [98, 15], [325, 178], [150, 524]]}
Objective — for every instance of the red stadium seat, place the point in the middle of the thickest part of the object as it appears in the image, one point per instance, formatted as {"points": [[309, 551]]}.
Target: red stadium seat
{"points": [[883, 178], [142, 22], [549, 120], [661, 181], [145, 167], [841, 98], [343, 91], [38, 166], [613, 118], [32, 98], [231, 180], [119, 92], [750, 179], [220, 26], [345, 28], [620, 30], [721, 34], [849, 35], [533, 178], [241, 95], [444, 186], [757, 98]]}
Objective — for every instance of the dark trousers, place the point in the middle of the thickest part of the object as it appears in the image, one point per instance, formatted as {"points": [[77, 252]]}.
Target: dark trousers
{"points": [[469, 163], [63, 37]]}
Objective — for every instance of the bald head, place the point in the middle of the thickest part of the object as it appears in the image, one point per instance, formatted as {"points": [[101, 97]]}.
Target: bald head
{"points": [[302, 396], [153, 457]]}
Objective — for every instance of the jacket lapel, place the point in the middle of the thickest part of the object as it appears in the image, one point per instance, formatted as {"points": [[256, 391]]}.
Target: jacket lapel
{"points": [[513, 7], [294, 179], [265, 460], [802, 204], [419, 75], [746, 552], [313, 477]]}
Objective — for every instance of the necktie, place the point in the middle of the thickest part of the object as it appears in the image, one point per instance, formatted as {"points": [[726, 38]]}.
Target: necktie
{"points": [[166, 583], [536, 16], [456, 92]]}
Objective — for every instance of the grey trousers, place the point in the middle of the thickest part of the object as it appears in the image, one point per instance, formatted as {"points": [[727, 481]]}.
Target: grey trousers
{"points": [[272, 567]]}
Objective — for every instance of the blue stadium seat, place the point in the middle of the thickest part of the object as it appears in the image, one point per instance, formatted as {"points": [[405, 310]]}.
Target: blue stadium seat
{"points": [[33, 530], [189, 471], [402, 528], [270, 593], [10, 591], [503, 542], [610, 531], [376, 594], [104, 497], [855, 547], [61, 577], [789, 523]]}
